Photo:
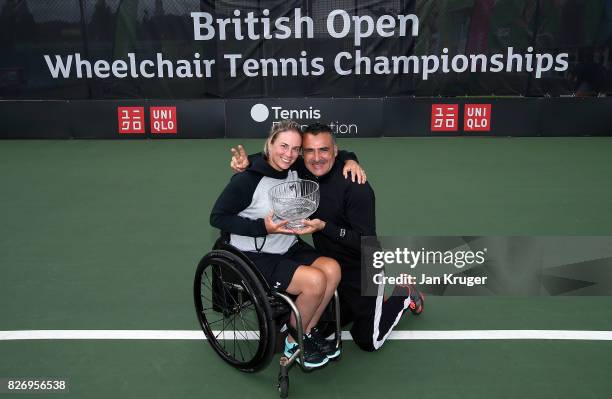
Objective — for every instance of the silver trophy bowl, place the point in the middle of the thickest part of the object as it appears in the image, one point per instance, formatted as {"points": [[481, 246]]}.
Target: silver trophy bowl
{"points": [[295, 200]]}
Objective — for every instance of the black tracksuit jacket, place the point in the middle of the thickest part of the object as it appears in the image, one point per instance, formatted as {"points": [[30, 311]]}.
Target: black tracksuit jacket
{"points": [[348, 210]]}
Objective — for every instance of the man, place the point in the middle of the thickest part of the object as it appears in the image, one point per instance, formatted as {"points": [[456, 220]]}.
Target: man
{"points": [[346, 213]]}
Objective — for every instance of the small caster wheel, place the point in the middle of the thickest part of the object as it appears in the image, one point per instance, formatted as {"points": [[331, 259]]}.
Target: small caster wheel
{"points": [[283, 386]]}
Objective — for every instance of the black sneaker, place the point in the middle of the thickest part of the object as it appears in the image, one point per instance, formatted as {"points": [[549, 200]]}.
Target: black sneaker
{"points": [[327, 348], [312, 356], [417, 301]]}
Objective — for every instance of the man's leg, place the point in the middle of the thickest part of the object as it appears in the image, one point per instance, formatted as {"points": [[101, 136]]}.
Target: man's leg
{"points": [[375, 317]]}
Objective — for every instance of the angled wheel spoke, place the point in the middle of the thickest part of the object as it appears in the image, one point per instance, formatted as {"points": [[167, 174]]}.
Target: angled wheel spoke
{"points": [[248, 342], [245, 339]]}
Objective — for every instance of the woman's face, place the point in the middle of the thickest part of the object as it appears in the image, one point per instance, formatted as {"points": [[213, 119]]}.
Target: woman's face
{"points": [[285, 149]]}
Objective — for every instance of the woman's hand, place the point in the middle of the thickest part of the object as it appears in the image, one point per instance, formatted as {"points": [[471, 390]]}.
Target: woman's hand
{"points": [[356, 170], [240, 160], [276, 228], [312, 226]]}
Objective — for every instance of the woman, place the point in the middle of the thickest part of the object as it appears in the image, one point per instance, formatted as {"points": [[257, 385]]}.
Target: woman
{"points": [[288, 264]]}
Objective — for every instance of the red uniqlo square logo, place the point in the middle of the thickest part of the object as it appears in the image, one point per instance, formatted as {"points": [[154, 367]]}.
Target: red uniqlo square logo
{"points": [[131, 120], [477, 118], [163, 120], [444, 117]]}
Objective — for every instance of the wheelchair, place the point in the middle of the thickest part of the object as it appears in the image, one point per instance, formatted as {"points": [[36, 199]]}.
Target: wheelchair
{"points": [[241, 315]]}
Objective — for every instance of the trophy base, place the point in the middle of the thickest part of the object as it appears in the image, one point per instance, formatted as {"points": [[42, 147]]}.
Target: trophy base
{"points": [[295, 225]]}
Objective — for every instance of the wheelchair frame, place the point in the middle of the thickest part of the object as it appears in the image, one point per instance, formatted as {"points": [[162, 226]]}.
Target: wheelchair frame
{"points": [[268, 304]]}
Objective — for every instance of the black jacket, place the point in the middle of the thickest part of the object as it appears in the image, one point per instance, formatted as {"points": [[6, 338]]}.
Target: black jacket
{"points": [[243, 205], [348, 210]]}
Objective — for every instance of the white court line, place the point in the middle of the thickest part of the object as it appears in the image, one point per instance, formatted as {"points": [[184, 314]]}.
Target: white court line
{"points": [[396, 335]]}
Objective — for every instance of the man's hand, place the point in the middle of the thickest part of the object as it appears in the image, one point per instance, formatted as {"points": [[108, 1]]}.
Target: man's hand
{"points": [[356, 170], [312, 226], [276, 228], [240, 160]]}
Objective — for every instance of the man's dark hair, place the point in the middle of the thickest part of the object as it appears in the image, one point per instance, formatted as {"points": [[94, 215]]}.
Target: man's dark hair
{"points": [[317, 128]]}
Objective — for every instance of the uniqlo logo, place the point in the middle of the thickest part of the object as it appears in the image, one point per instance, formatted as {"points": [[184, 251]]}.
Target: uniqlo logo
{"points": [[477, 118], [444, 117], [131, 120], [163, 120]]}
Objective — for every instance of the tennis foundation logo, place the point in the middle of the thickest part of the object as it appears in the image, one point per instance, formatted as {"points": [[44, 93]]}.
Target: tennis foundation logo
{"points": [[261, 113]]}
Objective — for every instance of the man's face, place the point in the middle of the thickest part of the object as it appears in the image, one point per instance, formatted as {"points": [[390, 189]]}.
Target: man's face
{"points": [[319, 153]]}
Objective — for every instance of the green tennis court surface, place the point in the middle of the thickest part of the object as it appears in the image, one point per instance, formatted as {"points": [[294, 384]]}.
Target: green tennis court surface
{"points": [[105, 235]]}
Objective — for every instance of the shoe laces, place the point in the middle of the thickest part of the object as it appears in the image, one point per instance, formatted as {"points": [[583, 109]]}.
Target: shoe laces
{"points": [[315, 334], [319, 340], [311, 343]]}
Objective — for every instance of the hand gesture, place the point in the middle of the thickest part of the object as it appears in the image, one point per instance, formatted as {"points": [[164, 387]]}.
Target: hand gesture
{"points": [[356, 170], [273, 227], [240, 160]]}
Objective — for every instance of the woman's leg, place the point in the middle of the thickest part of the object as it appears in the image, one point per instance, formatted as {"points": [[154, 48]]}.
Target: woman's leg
{"points": [[331, 269], [309, 284]]}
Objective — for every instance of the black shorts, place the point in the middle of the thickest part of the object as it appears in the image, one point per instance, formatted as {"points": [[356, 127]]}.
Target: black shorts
{"points": [[278, 269]]}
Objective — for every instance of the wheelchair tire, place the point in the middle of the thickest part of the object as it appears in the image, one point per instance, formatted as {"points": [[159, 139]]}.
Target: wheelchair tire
{"points": [[234, 311], [283, 386]]}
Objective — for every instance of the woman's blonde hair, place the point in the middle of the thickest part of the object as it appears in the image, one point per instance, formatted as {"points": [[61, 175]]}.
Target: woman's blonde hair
{"points": [[277, 128]]}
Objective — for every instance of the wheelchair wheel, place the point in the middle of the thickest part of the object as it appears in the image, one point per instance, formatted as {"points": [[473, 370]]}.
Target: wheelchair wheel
{"points": [[283, 384], [233, 311]]}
